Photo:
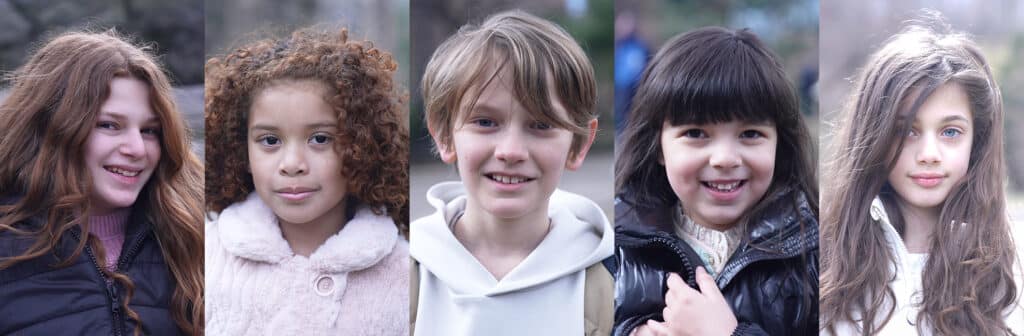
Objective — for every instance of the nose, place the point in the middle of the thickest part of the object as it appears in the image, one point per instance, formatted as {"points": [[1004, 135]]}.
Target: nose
{"points": [[511, 147], [133, 145], [725, 156], [928, 152], [293, 161]]}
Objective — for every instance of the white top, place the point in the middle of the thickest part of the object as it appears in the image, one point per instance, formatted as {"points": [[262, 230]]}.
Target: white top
{"points": [[356, 283], [543, 295], [907, 286]]}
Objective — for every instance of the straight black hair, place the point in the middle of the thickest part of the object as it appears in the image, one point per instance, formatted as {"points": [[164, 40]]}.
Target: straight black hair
{"points": [[706, 76]]}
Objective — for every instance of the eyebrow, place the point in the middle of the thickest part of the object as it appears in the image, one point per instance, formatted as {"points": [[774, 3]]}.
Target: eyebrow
{"points": [[307, 126], [120, 116], [954, 118]]}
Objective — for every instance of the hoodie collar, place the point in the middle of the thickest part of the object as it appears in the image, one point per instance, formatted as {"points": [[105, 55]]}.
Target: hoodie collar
{"points": [[250, 230], [580, 236]]}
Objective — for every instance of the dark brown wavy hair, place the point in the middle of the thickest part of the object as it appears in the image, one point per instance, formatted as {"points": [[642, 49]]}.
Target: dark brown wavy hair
{"points": [[373, 132], [968, 280], [53, 106]]}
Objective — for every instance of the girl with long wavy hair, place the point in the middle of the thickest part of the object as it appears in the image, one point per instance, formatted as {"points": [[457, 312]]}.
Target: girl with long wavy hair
{"points": [[915, 233], [100, 196]]}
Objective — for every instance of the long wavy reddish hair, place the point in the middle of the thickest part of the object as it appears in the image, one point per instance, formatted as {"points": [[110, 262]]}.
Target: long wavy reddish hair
{"points": [[53, 104]]}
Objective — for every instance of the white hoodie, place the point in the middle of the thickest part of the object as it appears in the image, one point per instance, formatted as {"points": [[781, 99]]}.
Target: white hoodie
{"points": [[543, 295]]}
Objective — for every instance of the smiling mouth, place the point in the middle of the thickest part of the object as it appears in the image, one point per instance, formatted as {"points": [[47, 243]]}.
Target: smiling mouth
{"points": [[724, 187], [507, 179], [122, 172]]}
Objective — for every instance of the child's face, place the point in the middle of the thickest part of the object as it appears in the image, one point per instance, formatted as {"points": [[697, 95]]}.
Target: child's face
{"points": [[123, 148], [509, 162], [295, 169], [937, 149], [718, 171]]}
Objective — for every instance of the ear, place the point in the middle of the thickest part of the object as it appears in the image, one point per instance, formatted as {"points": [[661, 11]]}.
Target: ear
{"points": [[447, 154], [576, 162]]}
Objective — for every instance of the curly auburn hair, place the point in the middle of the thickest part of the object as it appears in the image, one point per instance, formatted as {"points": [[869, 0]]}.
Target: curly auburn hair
{"points": [[373, 134]]}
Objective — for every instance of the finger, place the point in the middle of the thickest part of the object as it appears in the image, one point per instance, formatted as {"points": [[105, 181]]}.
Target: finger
{"points": [[707, 285], [674, 281], [657, 328]]}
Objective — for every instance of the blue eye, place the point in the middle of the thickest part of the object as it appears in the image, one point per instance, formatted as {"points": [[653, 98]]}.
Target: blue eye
{"points": [[951, 132], [320, 139], [483, 122]]}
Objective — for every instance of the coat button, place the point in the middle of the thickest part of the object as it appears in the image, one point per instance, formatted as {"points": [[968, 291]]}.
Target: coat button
{"points": [[324, 285]]}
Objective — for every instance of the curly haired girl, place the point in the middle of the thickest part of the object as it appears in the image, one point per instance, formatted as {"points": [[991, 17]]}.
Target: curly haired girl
{"points": [[94, 157], [307, 169], [915, 233]]}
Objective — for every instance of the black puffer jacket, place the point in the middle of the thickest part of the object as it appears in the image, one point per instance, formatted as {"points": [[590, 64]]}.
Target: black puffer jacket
{"points": [[765, 286], [38, 299]]}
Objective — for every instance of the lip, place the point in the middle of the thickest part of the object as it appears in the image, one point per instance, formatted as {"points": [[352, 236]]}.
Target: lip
{"points": [[720, 195], [509, 186], [295, 193], [927, 179], [127, 180]]}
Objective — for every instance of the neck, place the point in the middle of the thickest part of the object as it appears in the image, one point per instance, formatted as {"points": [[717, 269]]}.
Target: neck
{"points": [[305, 238], [919, 223], [501, 243]]}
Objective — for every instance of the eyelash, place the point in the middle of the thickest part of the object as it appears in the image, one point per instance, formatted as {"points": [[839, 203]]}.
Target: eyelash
{"points": [[941, 133], [700, 134], [110, 125], [266, 139], [537, 125]]}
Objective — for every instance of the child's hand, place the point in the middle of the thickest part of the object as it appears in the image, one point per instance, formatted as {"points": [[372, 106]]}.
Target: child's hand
{"points": [[689, 312]]}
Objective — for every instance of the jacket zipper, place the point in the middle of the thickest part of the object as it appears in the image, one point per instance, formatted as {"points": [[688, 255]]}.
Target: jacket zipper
{"points": [[111, 286], [738, 262], [691, 278]]}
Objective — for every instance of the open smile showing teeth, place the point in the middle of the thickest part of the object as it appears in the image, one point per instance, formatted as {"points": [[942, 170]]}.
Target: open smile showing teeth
{"points": [[123, 172], [508, 179], [724, 187]]}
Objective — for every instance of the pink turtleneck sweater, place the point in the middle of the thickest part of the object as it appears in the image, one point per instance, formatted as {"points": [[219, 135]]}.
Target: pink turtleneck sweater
{"points": [[109, 229]]}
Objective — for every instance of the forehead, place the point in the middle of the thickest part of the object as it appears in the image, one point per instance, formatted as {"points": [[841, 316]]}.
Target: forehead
{"points": [[291, 104], [497, 94], [949, 102], [129, 99]]}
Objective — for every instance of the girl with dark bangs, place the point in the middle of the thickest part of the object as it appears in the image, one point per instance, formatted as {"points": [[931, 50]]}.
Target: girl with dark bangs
{"points": [[915, 230], [100, 196], [716, 215]]}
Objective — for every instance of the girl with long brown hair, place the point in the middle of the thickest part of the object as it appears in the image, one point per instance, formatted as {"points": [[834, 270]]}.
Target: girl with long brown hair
{"points": [[100, 196], [915, 235]]}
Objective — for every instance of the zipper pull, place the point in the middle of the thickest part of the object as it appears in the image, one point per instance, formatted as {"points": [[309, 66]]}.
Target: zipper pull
{"points": [[115, 304]]}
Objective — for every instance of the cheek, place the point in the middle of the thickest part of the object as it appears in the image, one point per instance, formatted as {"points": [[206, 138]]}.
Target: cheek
{"points": [[963, 159], [682, 169], [763, 162], [154, 151], [260, 165]]}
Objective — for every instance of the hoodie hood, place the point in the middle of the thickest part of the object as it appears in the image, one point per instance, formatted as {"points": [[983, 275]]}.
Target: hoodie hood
{"points": [[580, 236]]}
